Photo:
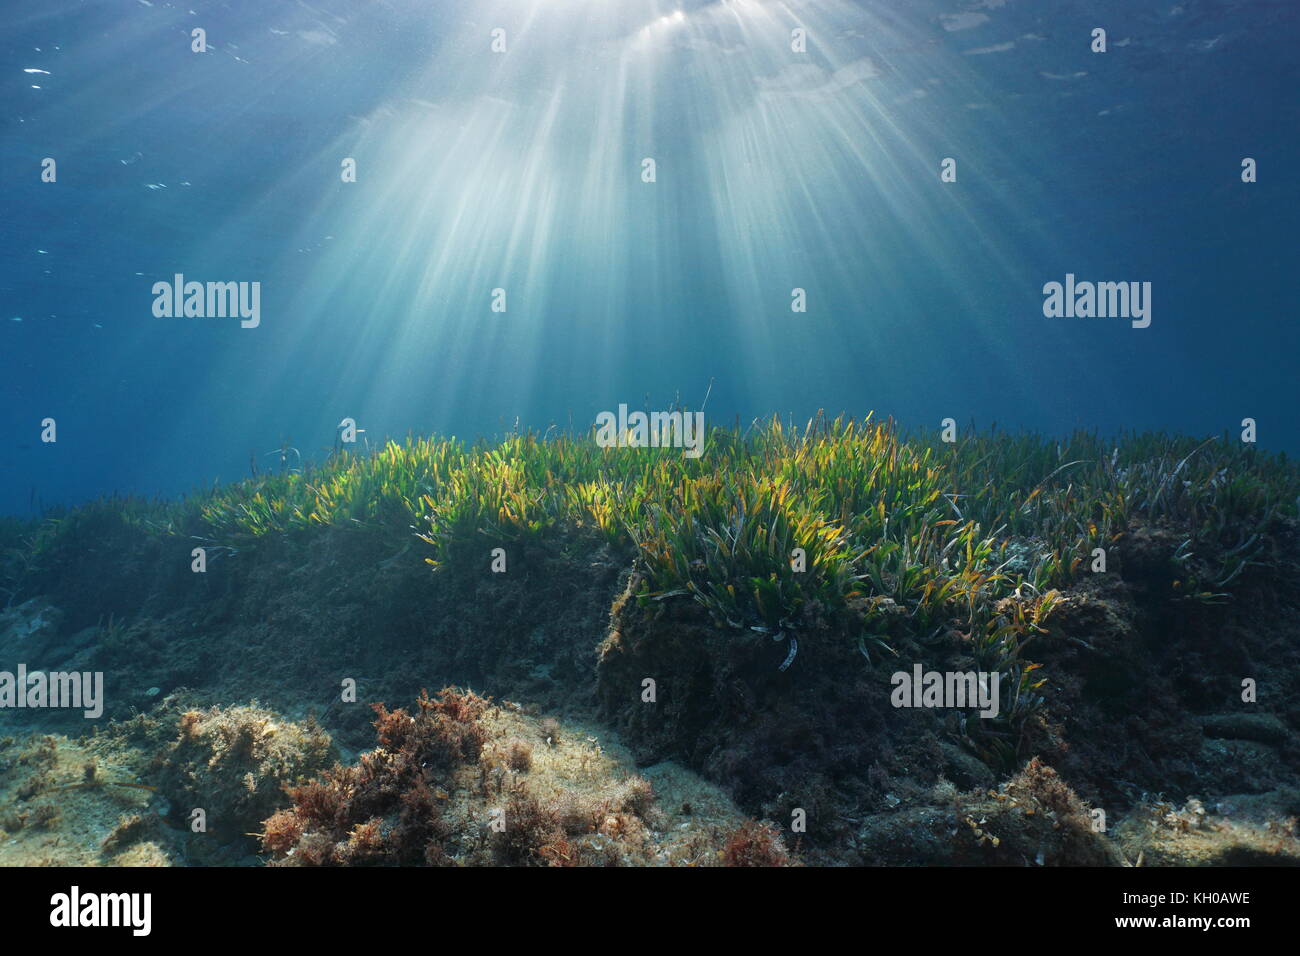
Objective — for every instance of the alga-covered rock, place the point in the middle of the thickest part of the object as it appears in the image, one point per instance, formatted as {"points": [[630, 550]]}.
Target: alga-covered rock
{"points": [[460, 781], [229, 767]]}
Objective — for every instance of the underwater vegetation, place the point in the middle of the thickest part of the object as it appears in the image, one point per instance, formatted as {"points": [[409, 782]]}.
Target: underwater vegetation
{"points": [[1121, 588], [385, 809], [445, 786], [847, 526], [882, 518]]}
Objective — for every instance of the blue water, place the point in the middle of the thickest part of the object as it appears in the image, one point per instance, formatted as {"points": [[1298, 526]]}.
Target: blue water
{"points": [[522, 170]]}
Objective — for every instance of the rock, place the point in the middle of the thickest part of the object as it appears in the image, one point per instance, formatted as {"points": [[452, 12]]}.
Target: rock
{"points": [[29, 624], [964, 769], [1263, 728]]}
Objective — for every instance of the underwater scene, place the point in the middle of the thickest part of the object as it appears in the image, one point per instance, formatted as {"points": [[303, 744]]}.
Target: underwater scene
{"points": [[649, 433]]}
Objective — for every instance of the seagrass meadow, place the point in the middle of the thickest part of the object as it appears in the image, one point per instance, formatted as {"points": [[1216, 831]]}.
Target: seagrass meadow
{"points": [[629, 636]]}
